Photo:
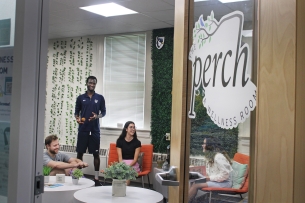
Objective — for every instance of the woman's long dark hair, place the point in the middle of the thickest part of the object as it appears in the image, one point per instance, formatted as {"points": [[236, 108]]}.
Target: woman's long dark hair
{"points": [[213, 147], [124, 132]]}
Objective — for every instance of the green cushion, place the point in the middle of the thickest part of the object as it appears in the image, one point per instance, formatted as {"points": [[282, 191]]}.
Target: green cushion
{"points": [[239, 174]]}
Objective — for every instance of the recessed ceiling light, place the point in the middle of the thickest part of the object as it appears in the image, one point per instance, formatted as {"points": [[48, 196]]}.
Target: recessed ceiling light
{"points": [[109, 9]]}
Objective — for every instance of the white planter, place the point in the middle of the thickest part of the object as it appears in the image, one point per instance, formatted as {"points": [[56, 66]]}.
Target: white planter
{"points": [[46, 179], [118, 188], [75, 181]]}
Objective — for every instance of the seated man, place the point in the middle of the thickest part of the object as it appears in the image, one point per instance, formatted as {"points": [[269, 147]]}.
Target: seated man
{"points": [[59, 162]]}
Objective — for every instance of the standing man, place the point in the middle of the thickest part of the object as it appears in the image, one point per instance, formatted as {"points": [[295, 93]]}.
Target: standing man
{"points": [[88, 109]]}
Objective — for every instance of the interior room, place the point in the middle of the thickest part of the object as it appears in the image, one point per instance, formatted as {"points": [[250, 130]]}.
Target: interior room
{"points": [[187, 93], [80, 44]]}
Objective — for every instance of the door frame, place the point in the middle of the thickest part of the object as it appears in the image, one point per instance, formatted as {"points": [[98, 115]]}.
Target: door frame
{"points": [[276, 137], [27, 101]]}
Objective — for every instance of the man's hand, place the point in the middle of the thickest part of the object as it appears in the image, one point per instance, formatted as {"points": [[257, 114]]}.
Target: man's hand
{"points": [[93, 117], [82, 165], [78, 120], [75, 165]]}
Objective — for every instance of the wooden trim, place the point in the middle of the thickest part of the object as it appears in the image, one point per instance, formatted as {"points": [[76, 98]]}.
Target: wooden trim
{"points": [[189, 90], [299, 149], [274, 147], [178, 121], [253, 121]]}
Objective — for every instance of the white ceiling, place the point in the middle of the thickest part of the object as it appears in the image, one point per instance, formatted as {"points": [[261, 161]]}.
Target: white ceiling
{"points": [[67, 20]]}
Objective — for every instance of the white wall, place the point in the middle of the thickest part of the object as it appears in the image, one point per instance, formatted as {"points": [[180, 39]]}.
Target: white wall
{"points": [[62, 90]]}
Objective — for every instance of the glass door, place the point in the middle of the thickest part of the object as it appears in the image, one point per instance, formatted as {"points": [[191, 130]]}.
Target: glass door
{"points": [[23, 42], [222, 97], [7, 33]]}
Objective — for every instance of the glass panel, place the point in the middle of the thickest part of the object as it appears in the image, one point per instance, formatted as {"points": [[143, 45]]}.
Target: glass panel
{"points": [[7, 32], [222, 96]]}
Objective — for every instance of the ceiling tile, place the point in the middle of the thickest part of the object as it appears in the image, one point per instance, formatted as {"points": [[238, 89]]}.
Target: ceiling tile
{"points": [[134, 18], [53, 19], [142, 6], [54, 36], [67, 19], [57, 6], [69, 26], [156, 25], [82, 3], [171, 23], [74, 14], [71, 34], [163, 15], [171, 2]]}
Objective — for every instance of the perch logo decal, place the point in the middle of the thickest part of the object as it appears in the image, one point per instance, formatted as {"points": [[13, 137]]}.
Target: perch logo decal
{"points": [[220, 70], [160, 42]]}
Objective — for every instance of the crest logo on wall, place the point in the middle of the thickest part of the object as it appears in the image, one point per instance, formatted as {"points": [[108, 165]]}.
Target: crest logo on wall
{"points": [[220, 70], [160, 42]]}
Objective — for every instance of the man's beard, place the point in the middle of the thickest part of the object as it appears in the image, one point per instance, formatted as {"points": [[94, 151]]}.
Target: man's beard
{"points": [[52, 151]]}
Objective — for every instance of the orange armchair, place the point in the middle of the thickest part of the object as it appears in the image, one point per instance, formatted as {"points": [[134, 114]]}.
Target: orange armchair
{"points": [[240, 158], [146, 163]]}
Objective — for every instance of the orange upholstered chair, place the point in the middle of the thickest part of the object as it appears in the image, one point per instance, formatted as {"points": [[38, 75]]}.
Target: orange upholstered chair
{"points": [[240, 158], [146, 163], [112, 154]]}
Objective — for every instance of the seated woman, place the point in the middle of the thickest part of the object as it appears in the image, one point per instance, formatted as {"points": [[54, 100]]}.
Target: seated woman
{"points": [[218, 168], [128, 146]]}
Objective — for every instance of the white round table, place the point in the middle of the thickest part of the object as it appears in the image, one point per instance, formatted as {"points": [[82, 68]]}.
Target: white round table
{"points": [[103, 194], [65, 192]]}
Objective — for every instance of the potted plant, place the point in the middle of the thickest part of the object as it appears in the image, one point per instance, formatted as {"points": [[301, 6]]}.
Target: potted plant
{"points": [[76, 174], [46, 170], [119, 173]]}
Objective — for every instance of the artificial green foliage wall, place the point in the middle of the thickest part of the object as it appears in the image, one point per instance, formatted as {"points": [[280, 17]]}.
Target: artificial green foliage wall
{"points": [[162, 73], [202, 125]]}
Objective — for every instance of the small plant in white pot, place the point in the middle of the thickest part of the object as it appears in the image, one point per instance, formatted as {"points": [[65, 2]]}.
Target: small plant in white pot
{"points": [[76, 174], [46, 170], [119, 173]]}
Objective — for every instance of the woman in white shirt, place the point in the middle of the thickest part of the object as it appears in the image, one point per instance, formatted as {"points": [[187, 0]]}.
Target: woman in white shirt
{"points": [[218, 168]]}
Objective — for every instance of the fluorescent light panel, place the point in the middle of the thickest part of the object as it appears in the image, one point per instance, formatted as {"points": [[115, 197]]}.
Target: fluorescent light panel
{"points": [[109, 9]]}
